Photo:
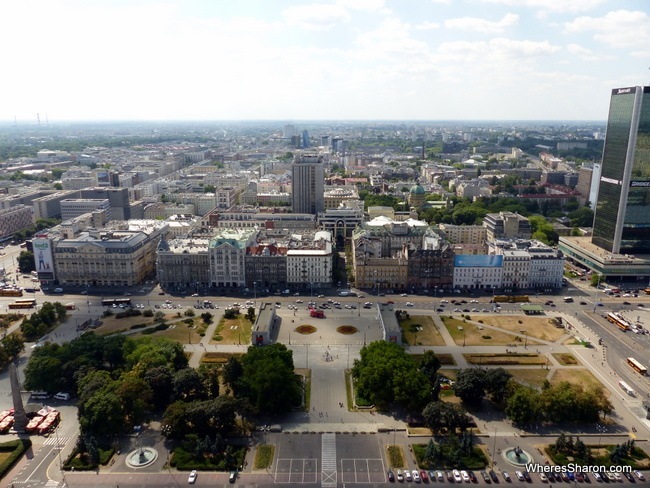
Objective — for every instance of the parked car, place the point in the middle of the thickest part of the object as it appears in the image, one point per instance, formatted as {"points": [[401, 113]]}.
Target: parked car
{"points": [[416, 476], [407, 475], [493, 475], [486, 477], [457, 477], [400, 475], [465, 476], [233, 477], [424, 476], [639, 475], [506, 476], [391, 476], [520, 475], [192, 477]]}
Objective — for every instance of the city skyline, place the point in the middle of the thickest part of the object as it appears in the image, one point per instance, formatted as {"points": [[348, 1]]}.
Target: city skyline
{"points": [[329, 60]]}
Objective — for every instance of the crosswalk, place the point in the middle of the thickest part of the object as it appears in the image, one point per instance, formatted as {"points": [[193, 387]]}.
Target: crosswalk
{"points": [[56, 441], [328, 461]]}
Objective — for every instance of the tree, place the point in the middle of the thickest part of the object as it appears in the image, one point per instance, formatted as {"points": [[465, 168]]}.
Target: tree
{"points": [[26, 262], [12, 345], [136, 396], [268, 380], [188, 386], [470, 385], [429, 364], [102, 414], [250, 314], [206, 317], [523, 406], [189, 312], [42, 373], [443, 416], [386, 375], [496, 383], [232, 372], [160, 380]]}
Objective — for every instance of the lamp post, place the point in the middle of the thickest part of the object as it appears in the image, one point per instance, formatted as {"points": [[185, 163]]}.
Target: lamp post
{"points": [[494, 447], [463, 336], [525, 332]]}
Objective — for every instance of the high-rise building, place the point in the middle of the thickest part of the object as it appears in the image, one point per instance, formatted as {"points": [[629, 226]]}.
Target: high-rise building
{"points": [[305, 139], [622, 214], [308, 183]]}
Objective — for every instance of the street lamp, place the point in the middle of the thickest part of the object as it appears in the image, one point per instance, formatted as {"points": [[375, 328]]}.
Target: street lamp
{"points": [[525, 332]]}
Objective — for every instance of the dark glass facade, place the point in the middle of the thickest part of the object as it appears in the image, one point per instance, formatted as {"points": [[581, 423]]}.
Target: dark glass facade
{"points": [[625, 228]]}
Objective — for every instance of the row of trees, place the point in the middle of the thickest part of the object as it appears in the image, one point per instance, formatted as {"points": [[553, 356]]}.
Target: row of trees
{"points": [[40, 322], [564, 402], [122, 381]]}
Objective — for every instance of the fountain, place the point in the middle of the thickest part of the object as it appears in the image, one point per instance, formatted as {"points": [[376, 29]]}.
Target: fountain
{"points": [[517, 456], [141, 457]]}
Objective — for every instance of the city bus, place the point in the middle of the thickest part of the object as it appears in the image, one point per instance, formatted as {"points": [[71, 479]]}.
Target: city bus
{"points": [[618, 320], [10, 292], [109, 302], [23, 303], [636, 366], [626, 388]]}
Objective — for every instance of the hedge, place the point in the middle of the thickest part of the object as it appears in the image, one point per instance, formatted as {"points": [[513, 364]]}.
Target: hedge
{"points": [[185, 461], [17, 448]]}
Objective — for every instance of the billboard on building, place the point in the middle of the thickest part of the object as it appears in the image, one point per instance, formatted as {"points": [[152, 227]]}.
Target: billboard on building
{"points": [[43, 257]]}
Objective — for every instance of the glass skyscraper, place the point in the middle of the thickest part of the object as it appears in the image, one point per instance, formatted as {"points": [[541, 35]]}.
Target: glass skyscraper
{"points": [[622, 219]]}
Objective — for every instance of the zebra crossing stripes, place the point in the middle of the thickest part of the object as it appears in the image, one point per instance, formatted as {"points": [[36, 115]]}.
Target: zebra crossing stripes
{"points": [[56, 441], [328, 461]]}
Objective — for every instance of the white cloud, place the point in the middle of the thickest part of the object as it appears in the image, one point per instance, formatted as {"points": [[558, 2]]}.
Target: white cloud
{"points": [[621, 28], [317, 16], [499, 49], [372, 5], [476, 24], [558, 6], [582, 52], [427, 26], [391, 37]]}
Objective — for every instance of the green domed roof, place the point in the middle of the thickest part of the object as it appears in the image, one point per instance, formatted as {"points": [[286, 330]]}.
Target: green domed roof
{"points": [[417, 190]]}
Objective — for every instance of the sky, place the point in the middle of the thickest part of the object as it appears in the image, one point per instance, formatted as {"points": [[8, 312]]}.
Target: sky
{"points": [[319, 60]]}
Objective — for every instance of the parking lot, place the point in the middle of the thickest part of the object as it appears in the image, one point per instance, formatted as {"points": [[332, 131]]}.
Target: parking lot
{"points": [[329, 459]]}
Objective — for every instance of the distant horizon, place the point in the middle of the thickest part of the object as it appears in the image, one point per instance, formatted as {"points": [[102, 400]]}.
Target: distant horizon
{"points": [[50, 123]]}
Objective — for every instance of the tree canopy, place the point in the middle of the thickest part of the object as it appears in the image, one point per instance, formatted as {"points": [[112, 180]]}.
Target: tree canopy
{"points": [[386, 375]]}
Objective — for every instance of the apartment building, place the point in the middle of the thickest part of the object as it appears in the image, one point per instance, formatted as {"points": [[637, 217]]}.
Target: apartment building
{"points": [[74, 207], [310, 260], [506, 225], [15, 218], [183, 264]]}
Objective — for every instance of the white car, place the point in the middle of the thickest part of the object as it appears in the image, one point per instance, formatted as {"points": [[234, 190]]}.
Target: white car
{"points": [[457, 477], [597, 476], [465, 476], [440, 476], [444, 301], [400, 475], [416, 476], [192, 478], [543, 477], [639, 475], [407, 475], [409, 304], [520, 475]]}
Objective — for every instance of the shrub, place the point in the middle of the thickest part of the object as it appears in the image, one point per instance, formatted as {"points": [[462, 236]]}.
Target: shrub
{"points": [[138, 326], [218, 338], [148, 313], [16, 448]]}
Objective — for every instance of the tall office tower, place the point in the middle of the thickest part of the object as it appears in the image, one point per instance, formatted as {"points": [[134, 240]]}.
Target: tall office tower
{"points": [[622, 220], [305, 139], [289, 131], [307, 183]]}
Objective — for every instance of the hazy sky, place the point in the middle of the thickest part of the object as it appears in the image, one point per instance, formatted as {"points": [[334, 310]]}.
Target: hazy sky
{"points": [[327, 59]]}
